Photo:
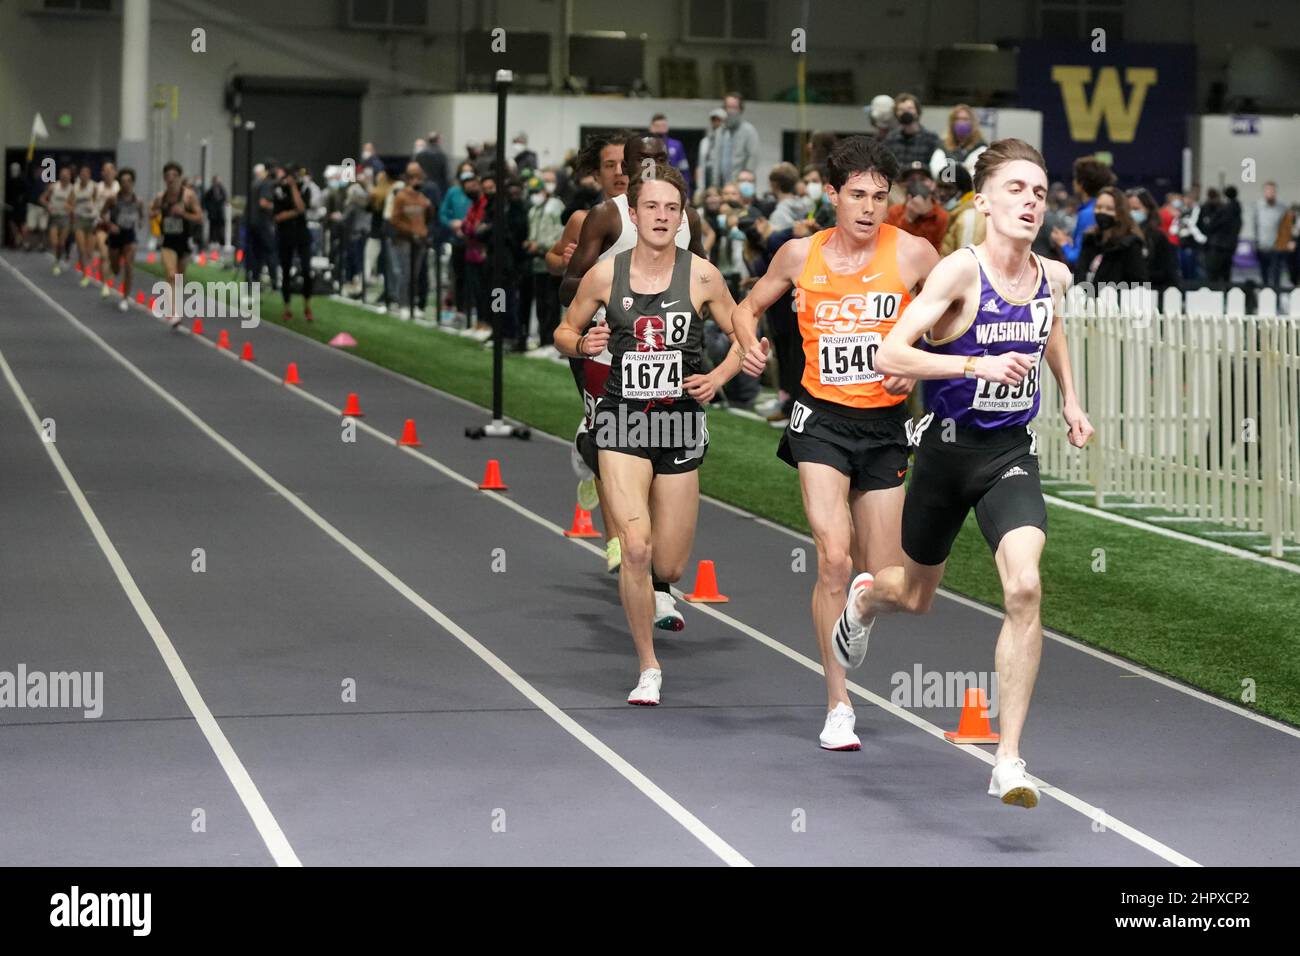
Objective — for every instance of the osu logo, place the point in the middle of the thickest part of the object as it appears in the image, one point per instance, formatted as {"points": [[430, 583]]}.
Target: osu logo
{"points": [[649, 331], [845, 314]]}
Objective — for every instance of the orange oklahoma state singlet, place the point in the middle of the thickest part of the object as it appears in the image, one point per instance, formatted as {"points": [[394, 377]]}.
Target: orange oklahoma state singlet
{"points": [[843, 318]]}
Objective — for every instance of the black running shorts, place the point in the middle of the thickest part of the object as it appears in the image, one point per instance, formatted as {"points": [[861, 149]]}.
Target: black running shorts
{"points": [[869, 445], [994, 471], [674, 436]]}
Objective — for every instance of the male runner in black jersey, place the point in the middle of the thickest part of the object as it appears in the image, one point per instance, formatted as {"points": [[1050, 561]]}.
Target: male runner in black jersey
{"points": [[649, 427]]}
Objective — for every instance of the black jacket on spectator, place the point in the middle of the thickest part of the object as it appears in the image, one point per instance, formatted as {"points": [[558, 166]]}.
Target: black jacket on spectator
{"points": [[909, 148], [1224, 225], [1162, 258], [1119, 260], [516, 235], [434, 163]]}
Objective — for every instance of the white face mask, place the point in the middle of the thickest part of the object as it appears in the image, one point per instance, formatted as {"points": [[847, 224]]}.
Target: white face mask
{"points": [[516, 149], [814, 191], [537, 198]]}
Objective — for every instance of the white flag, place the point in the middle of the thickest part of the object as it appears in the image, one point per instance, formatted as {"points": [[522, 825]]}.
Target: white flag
{"points": [[38, 128]]}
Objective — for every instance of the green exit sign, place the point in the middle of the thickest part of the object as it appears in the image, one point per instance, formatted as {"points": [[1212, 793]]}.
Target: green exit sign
{"points": [[65, 120]]}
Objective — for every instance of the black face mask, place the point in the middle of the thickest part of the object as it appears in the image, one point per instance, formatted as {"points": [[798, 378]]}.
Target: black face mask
{"points": [[906, 118], [1104, 221]]}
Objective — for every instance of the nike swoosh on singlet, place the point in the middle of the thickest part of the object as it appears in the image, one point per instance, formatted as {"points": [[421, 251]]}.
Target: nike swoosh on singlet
{"points": [[664, 305], [869, 278]]}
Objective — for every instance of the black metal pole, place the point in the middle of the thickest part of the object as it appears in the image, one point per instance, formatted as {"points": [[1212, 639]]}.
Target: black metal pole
{"points": [[498, 253], [497, 428], [250, 203]]}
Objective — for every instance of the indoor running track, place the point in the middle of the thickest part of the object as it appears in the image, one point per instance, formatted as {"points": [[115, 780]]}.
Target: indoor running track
{"points": [[487, 724]]}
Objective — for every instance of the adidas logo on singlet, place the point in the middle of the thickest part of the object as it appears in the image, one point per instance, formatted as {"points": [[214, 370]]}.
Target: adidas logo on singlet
{"points": [[1013, 471], [990, 306]]}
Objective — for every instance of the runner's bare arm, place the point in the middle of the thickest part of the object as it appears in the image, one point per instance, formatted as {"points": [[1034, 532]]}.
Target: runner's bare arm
{"points": [[781, 275], [192, 210], [599, 231], [593, 292], [946, 287], [713, 292], [697, 237], [1057, 353], [916, 260], [556, 260]]}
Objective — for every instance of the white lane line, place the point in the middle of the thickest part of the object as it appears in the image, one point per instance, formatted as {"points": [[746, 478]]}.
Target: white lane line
{"points": [[1130, 833], [727, 506], [263, 819], [648, 787]]}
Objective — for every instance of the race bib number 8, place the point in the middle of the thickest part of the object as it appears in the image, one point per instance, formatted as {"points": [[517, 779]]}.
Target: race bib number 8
{"points": [[849, 359], [652, 375], [994, 397]]}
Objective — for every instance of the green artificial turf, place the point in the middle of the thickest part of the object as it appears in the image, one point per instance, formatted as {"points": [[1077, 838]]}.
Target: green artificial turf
{"points": [[1209, 619]]}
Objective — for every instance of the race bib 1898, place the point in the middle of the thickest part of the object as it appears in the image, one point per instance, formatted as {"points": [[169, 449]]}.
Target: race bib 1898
{"points": [[652, 375], [992, 397], [848, 358]]}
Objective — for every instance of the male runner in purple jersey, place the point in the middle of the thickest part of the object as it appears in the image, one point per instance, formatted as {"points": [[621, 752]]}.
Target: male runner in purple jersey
{"points": [[987, 314]]}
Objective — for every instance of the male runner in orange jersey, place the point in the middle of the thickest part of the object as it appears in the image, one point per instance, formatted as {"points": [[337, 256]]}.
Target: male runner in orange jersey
{"points": [[847, 432]]}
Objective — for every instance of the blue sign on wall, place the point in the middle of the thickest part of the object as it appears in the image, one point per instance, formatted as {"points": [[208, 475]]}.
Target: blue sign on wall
{"points": [[1131, 101]]}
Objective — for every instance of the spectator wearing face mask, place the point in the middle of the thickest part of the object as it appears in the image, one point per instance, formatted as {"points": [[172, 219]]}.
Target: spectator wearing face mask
{"points": [[1162, 256], [1090, 177], [1113, 248], [822, 210], [544, 230], [965, 222], [919, 214], [451, 212], [963, 142], [747, 185], [910, 142], [737, 144], [525, 159]]}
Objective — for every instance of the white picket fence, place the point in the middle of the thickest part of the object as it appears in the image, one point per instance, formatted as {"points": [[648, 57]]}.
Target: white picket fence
{"points": [[1196, 407]]}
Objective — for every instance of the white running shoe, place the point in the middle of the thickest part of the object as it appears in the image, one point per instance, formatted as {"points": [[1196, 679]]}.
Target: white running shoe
{"points": [[123, 306], [838, 733], [1010, 784], [613, 555], [105, 291], [667, 617], [646, 692], [588, 500], [85, 281], [849, 640], [57, 269]]}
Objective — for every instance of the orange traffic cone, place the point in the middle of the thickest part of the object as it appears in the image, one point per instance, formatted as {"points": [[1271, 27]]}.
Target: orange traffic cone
{"points": [[239, 255], [973, 727], [706, 586], [247, 354], [152, 299], [223, 340], [492, 477], [197, 327], [291, 374], [582, 526], [150, 257], [352, 408], [200, 258], [408, 434]]}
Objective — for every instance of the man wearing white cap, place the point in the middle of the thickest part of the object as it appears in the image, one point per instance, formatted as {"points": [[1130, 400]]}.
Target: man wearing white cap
{"points": [[881, 114], [704, 174]]}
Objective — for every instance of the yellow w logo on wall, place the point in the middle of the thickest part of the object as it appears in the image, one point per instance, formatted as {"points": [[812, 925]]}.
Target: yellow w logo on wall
{"points": [[1107, 100]]}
